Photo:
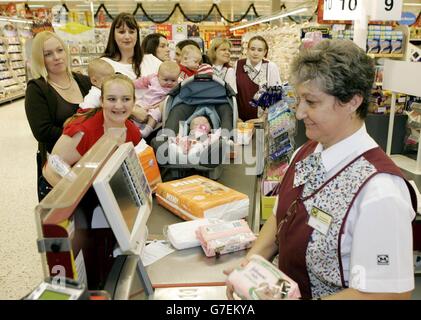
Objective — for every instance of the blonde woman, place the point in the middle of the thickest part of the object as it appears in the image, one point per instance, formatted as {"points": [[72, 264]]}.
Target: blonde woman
{"points": [[53, 95], [219, 54]]}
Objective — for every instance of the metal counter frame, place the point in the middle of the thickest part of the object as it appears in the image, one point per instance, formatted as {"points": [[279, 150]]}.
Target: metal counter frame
{"points": [[189, 274]]}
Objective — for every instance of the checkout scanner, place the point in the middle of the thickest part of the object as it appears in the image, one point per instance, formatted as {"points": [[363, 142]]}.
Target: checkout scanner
{"points": [[71, 248]]}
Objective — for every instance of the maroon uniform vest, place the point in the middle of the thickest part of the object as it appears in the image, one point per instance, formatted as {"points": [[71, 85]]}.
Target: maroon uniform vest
{"points": [[246, 90], [292, 217]]}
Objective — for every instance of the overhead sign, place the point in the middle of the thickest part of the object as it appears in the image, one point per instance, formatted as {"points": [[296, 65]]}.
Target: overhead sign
{"points": [[385, 9], [408, 18], [380, 10], [342, 9]]}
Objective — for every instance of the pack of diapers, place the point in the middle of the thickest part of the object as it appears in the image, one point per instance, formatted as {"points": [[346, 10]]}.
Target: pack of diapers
{"points": [[261, 280], [225, 237], [182, 235], [198, 197]]}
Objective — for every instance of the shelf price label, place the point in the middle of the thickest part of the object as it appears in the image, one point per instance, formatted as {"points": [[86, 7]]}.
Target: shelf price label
{"points": [[342, 9], [385, 9]]}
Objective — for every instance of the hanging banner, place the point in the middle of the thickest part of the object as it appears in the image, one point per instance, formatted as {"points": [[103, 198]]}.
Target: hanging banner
{"points": [[59, 14], [101, 19], [76, 32], [193, 30], [165, 29], [179, 32]]}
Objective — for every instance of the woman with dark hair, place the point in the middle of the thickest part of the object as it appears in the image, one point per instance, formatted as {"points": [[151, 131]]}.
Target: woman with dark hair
{"points": [[123, 50], [156, 50], [124, 53], [252, 73]]}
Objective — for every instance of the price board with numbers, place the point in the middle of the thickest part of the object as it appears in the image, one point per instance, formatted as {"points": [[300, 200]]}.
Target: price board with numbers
{"points": [[385, 9], [330, 11], [342, 9]]}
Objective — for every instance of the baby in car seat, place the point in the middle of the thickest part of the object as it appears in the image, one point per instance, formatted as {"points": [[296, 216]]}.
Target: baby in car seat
{"points": [[199, 135]]}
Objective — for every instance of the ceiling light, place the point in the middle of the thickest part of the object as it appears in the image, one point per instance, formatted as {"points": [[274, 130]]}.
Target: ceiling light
{"points": [[270, 18], [410, 4]]}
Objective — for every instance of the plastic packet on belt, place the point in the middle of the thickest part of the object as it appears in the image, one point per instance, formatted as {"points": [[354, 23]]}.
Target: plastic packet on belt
{"points": [[261, 280], [225, 237], [182, 235]]}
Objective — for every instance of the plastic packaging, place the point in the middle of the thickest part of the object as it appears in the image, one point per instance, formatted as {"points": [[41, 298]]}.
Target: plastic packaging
{"points": [[225, 237], [261, 280]]}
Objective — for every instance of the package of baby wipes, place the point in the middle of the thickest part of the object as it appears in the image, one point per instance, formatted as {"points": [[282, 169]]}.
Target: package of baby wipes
{"points": [[261, 280], [225, 237]]}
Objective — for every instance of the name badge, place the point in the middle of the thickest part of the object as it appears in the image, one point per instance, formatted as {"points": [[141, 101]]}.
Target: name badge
{"points": [[319, 220]]}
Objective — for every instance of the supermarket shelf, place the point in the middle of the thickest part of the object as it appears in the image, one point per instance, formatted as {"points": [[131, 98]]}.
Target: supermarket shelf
{"points": [[386, 55], [11, 98]]}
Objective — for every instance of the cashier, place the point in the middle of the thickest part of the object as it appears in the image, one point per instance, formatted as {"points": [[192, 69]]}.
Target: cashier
{"points": [[342, 225]]}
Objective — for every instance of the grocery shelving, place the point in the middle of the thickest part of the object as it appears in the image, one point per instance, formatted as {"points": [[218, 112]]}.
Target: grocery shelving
{"points": [[12, 69], [386, 55], [236, 49]]}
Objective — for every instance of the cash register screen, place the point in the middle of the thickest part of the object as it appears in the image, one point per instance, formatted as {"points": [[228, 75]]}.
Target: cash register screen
{"points": [[125, 197], [122, 193], [53, 295]]}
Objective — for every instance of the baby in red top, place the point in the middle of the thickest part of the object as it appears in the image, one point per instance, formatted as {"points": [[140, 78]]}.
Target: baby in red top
{"points": [[191, 63]]}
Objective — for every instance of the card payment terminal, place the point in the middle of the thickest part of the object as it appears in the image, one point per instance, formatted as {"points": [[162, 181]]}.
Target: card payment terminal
{"points": [[51, 289]]}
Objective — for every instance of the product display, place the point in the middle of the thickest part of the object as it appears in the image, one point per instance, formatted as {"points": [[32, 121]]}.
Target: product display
{"points": [[12, 68], [198, 197], [236, 49], [225, 237], [84, 51], [280, 128], [244, 133], [284, 43], [261, 280]]}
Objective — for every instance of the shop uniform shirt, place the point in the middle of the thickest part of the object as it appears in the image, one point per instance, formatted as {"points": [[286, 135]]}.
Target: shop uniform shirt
{"points": [[273, 76], [379, 222], [93, 129], [226, 74]]}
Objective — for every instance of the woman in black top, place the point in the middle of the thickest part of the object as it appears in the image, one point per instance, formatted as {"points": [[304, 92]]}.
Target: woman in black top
{"points": [[52, 96]]}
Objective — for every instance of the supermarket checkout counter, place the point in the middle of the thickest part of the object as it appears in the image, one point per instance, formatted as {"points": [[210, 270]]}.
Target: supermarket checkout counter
{"points": [[189, 274]]}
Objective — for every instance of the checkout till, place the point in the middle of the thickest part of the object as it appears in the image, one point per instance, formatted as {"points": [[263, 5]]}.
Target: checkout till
{"points": [[79, 250]]}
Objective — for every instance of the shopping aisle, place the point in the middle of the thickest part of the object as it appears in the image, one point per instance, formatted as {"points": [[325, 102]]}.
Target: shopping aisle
{"points": [[20, 265]]}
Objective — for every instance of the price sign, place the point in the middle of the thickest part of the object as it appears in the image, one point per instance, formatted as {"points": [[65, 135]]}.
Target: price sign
{"points": [[385, 9], [379, 10], [342, 9]]}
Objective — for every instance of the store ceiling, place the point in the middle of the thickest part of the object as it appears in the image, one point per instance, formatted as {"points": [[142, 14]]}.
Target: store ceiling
{"points": [[227, 7]]}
